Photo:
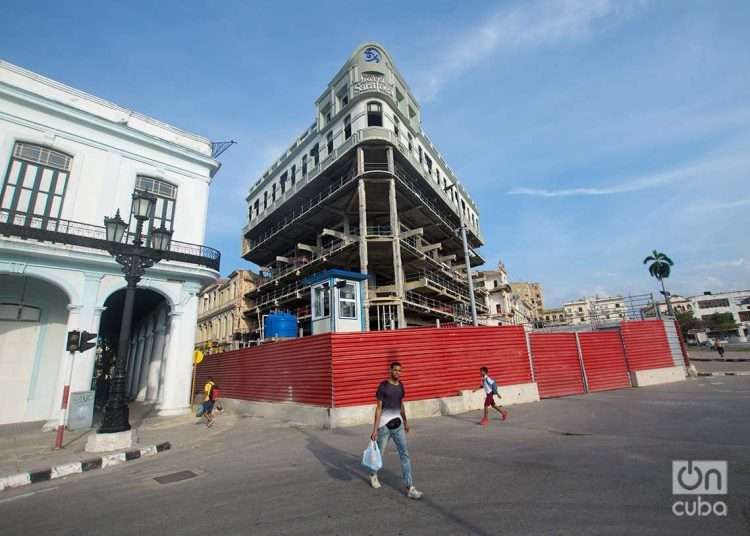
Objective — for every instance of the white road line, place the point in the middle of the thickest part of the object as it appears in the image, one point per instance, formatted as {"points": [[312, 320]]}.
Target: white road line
{"points": [[29, 494]]}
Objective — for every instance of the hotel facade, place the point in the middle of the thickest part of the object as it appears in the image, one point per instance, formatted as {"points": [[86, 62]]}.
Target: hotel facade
{"points": [[363, 190]]}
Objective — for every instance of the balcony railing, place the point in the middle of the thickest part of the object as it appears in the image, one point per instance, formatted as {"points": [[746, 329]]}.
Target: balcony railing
{"points": [[76, 233]]}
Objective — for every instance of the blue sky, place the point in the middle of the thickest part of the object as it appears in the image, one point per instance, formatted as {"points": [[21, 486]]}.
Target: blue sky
{"points": [[590, 132]]}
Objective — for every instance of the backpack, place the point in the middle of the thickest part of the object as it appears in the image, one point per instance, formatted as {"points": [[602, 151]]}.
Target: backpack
{"points": [[214, 393], [494, 388]]}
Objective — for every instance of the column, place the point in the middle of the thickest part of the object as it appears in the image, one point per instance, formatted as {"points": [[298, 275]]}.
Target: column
{"points": [[179, 363], [398, 271], [361, 195], [154, 369], [146, 361], [90, 315], [66, 363], [137, 361]]}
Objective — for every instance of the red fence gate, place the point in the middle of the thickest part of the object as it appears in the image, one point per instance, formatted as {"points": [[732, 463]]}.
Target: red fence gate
{"points": [[557, 368]]}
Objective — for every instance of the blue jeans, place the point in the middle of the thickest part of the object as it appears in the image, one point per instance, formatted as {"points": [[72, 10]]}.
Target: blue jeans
{"points": [[399, 438]]}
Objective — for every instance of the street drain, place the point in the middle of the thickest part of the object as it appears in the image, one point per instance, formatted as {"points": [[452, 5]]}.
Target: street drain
{"points": [[175, 477]]}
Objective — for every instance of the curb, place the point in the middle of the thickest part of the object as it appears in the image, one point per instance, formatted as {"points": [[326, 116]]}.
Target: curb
{"points": [[722, 360], [743, 373], [59, 471]]}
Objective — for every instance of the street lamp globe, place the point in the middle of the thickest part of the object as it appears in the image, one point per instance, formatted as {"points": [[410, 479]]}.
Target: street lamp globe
{"points": [[115, 228], [161, 238], [143, 203]]}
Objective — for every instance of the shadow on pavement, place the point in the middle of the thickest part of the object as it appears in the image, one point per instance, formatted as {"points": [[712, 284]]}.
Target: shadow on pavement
{"points": [[345, 466]]}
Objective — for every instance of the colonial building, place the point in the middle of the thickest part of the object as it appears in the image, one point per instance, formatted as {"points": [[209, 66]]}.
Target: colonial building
{"points": [[69, 159], [532, 294], [596, 310], [679, 305], [554, 317], [497, 295], [364, 190], [222, 306]]}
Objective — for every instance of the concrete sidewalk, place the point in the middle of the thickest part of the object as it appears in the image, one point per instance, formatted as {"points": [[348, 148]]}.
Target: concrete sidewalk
{"points": [[26, 448]]}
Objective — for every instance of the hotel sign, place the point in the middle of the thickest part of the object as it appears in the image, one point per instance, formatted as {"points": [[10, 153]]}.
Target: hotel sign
{"points": [[373, 82]]}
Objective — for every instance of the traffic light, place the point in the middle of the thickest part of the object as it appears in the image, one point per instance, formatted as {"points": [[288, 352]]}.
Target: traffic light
{"points": [[87, 341], [74, 338], [80, 341]]}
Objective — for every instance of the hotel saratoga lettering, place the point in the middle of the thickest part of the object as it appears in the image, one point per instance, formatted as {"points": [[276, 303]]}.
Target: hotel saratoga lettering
{"points": [[373, 82]]}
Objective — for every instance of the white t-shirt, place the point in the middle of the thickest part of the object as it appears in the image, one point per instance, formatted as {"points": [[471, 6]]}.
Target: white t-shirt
{"points": [[487, 384]]}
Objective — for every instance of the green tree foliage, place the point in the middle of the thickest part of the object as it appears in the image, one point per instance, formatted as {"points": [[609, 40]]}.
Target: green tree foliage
{"points": [[688, 321], [720, 322]]}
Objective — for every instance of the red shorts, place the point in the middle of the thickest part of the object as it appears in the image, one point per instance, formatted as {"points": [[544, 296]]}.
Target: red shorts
{"points": [[489, 400]]}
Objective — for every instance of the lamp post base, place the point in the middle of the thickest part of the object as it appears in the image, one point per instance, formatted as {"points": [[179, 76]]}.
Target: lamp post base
{"points": [[100, 442]]}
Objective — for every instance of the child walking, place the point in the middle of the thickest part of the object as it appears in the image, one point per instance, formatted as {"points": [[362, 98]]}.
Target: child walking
{"points": [[490, 388]]}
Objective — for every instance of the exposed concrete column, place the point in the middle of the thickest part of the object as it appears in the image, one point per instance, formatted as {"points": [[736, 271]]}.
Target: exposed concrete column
{"points": [[360, 161], [398, 269], [362, 197], [83, 364]]}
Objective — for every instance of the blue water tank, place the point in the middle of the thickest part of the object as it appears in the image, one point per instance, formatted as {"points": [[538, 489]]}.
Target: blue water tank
{"points": [[280, 325]]}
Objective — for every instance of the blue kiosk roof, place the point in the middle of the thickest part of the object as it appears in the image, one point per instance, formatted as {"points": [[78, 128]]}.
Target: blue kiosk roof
{"points": [[335, 273]]}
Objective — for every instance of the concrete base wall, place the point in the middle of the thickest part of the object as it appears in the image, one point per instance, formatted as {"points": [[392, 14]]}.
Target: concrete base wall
{"points": [[642, 378], [351, 416]]}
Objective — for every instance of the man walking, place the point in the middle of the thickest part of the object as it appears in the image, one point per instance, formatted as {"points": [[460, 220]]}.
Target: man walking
{"points": [[390, 423]]}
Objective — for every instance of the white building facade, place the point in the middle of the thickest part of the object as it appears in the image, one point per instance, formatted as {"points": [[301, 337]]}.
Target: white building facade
{"points": [[736, 303], [68, 160]]}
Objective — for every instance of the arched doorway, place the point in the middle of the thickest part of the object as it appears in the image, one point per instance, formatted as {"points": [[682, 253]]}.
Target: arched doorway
{"points": [[146, 350], [33, 320]]}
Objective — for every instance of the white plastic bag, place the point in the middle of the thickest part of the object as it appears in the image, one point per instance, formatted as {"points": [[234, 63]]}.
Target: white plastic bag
{"points": [[371, 457]]}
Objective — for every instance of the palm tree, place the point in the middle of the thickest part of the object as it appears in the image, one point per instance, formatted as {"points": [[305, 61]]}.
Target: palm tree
{"points": [[660, 268]]}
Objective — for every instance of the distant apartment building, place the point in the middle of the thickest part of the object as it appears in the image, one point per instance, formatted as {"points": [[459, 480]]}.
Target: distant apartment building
{"points": [[532, 295], [595, 310], [736, 303], [363, 190], [222, 320]]}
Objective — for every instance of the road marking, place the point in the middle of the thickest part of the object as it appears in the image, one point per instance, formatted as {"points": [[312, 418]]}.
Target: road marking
{"points": [[29, 494]]}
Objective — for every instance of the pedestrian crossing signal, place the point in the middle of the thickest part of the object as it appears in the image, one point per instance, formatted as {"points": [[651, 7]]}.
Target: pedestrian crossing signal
{"points": [[87, 341]]}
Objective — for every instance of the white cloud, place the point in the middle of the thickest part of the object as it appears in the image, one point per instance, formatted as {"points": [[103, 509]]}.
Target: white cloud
{"points": [[530, 24], [705, 168]]}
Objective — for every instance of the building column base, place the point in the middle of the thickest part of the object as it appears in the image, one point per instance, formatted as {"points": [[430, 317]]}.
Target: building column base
{"points": [[115, 441]]}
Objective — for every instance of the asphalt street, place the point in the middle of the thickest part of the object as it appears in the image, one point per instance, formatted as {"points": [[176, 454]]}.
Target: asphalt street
{"points": [[594, 464]]}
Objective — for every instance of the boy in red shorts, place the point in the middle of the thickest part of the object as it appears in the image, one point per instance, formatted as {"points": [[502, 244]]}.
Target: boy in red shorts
{"points": [[490, 388]]}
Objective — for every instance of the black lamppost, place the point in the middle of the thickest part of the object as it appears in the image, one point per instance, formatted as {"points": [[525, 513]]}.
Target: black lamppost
{"points": [[134, 258]]}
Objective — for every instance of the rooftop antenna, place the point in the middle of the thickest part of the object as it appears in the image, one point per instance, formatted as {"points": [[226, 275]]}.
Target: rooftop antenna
{"points": [[218, 147]]}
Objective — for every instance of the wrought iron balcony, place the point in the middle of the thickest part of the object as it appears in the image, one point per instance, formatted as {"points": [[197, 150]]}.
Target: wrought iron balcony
{"points": [[74, 233]]}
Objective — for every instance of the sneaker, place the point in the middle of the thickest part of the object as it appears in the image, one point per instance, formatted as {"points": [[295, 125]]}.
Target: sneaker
{"points": [[484, 422], [414, 494], [504, 414], [374, 482]]}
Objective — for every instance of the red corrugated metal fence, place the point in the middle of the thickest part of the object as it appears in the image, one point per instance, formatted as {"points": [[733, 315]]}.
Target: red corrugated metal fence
{"points": [[646, 345], [296, 371], [435, 362], [604, 360], [556, 365]]}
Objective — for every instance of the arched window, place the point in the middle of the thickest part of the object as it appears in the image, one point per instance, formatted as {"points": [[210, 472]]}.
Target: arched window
{"points": [[166, 195], [374, 114], [34, 187]]}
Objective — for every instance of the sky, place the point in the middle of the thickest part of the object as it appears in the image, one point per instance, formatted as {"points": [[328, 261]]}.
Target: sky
{"points": [[590, 132]]}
